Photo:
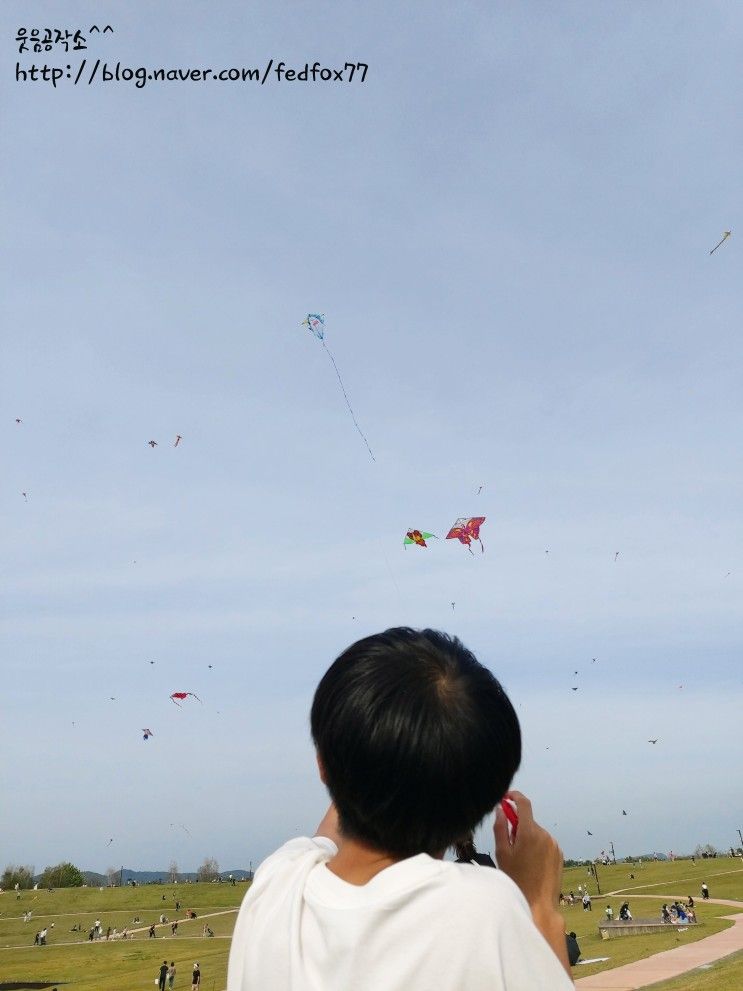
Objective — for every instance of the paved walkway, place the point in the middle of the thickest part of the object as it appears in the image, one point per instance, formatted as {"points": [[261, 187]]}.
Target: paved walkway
{"points": [[670, 963]]}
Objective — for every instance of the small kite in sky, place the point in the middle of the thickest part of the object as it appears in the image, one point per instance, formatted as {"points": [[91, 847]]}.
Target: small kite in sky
{"points": [[575, 689], [18, 420], [147, 734], [480, 490], [210, 665], [152, 662], [178, 439], [623, 812], [152, 443], [653, 741], [316, 323], [725, 236], [589, 832], [465, 530], [593, 660], [418, 537], [174, 824], [452, 606], [616, 555], [182, 696], [24, 496], [109, 842]]}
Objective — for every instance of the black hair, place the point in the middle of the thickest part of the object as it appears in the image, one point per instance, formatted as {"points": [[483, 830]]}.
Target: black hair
{"points": [[418, 740]]}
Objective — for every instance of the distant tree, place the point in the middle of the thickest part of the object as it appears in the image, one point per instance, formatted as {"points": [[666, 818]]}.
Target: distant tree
{"points": [[208, 871], [112, 876], [707, 850], [173, 875], [14, 874], [62, 876]]}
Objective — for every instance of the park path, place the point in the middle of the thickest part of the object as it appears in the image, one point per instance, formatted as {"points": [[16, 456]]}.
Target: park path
{"points": [[671, 963]]}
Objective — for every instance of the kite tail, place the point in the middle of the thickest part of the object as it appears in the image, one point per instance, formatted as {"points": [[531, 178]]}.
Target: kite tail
{"points": [[345, 396]]}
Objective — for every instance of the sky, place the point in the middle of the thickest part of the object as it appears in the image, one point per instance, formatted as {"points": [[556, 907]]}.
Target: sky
{"points": [[507, 225]]}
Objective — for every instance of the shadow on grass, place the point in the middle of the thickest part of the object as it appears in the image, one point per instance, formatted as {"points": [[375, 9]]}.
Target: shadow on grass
{"points": [[30, 985]]}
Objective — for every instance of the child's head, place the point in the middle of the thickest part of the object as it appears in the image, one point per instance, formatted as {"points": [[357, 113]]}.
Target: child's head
{"points": [[416, 739]]}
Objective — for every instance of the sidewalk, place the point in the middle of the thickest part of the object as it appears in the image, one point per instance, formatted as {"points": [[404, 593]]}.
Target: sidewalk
{"points": [[670, 963]]}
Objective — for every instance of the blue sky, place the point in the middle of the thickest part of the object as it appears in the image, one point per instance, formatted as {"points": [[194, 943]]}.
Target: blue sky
{"points": [[507, 226]]}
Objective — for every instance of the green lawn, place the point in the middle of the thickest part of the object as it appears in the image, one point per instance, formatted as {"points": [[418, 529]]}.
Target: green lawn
{"points": [[133, 965], [680, 878]]}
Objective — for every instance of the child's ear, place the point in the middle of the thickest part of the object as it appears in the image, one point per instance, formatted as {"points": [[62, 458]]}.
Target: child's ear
{"points": [[320, 767]]}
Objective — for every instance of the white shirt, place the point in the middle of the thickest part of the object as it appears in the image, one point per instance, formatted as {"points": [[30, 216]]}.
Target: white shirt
{"points": [[419, 925]]}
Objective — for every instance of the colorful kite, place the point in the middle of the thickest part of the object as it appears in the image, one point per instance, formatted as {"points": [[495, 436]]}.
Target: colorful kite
{"points": [[147, 734], [467, 529], [725, 236], [182, 696], [316, 324], [418, 537]]}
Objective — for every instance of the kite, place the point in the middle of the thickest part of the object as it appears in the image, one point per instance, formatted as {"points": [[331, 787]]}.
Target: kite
{"points": [[593, 660], [316, 323], [616, 555], [24, 496], [109, 842], [452, 606], [652, 741], [418, 537], [589, 832], [182, 696], [623, 812], [178, 439], [152, 443], [18, 420], [174, 824], [479, 490], [725, 236], [575, 689], [465, 530], [147, 734]]}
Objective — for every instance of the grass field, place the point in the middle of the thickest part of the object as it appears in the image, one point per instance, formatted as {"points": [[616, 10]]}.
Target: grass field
{"points": [[663, 878], [132, 965]]}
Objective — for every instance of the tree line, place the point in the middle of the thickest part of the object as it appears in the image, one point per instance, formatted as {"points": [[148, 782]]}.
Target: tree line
{"points": [[66, 875]]}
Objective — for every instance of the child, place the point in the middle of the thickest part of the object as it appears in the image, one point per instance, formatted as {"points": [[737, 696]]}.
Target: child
{"points": [[416, 742]]}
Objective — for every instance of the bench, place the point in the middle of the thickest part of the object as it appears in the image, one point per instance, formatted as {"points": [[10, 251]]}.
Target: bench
{"points": [[637, 927]]}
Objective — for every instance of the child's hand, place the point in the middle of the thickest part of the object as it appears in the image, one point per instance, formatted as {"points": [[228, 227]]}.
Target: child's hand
{"points": [[533, 860]]}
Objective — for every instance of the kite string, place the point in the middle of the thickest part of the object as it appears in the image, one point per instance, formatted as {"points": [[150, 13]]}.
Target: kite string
{"points": [[345, 396]]}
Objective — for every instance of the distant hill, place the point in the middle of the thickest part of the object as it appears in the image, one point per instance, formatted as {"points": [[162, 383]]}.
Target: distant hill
{"points": [[157, 877]]}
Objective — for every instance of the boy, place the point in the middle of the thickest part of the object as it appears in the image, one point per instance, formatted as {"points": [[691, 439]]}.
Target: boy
{"points": [[416, 743]]}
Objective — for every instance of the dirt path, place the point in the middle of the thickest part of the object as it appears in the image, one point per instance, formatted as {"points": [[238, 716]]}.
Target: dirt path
{"points": [[671, 963]]}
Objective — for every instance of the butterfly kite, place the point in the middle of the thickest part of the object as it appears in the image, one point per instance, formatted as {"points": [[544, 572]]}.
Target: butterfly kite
{"points": [[465, 530], [183, 696], [418, 537], [147, 734], [316, 324]]}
